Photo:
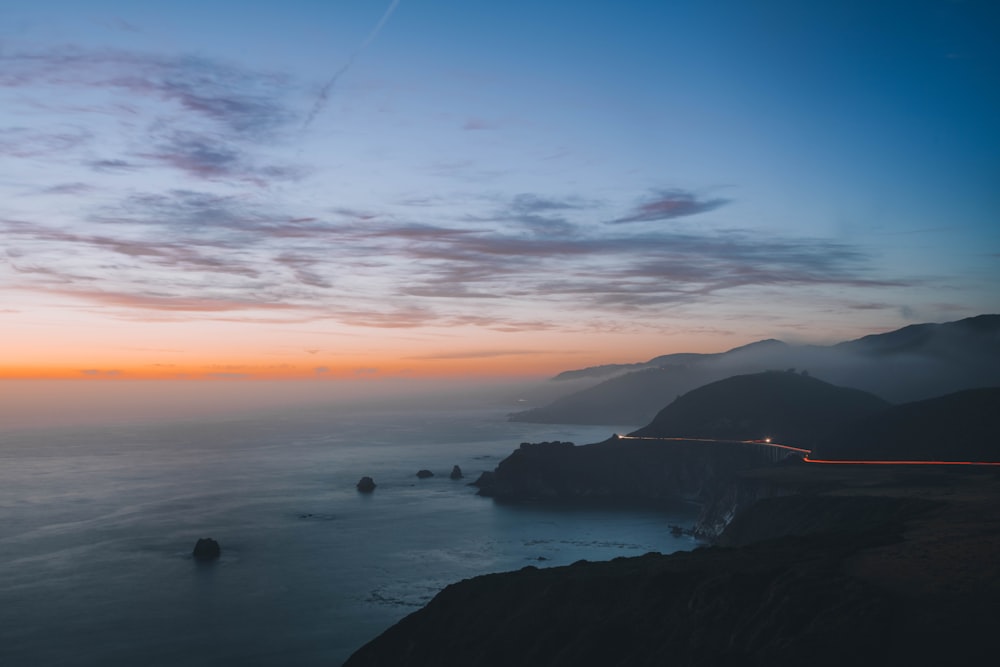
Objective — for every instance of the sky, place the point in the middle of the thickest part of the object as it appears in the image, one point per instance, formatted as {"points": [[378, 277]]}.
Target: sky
{"points": [[362, 189]]}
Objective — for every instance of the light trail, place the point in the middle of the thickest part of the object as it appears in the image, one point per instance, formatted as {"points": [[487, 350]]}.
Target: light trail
{"points": [[900, 463], [807, 452]]}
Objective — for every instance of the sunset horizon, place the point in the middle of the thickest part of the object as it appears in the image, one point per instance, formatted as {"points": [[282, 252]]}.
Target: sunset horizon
{"points": [[478, 334], [396, 189]]}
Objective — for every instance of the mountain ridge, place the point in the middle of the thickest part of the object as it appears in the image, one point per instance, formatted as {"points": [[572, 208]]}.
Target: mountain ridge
{"points": [[916, 362]]}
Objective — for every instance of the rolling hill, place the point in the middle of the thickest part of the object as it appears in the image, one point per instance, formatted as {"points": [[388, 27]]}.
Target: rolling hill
{"points": [[790, 408], [909, 364]]}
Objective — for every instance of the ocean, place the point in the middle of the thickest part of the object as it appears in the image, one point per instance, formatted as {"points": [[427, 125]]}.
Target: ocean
{"points": [[97, 524]]}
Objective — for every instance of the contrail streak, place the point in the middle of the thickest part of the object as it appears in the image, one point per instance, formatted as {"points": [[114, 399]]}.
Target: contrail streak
{"points": [[324, 93]]}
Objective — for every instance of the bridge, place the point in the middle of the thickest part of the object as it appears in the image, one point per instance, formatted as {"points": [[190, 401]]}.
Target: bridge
{"points": [[769, 451]]}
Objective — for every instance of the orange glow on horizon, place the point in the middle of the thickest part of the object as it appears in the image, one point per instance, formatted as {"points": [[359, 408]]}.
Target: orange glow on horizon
{"points": [[356, 368]]}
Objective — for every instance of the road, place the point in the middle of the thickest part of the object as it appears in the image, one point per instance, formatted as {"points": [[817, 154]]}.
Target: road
{"points": [[806, 452]]}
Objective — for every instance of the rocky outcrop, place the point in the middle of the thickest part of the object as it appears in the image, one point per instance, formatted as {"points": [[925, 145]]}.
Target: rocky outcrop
{"points": [[729, 501], [206, 549], [456, 473], [424, 474], [366, 485], [620, 470]]}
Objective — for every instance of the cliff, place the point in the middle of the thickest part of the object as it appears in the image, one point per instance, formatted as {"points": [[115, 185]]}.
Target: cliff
{"points": [[620, 470], [880, 568]]}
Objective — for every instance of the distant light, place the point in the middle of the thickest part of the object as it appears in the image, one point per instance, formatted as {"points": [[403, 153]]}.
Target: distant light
{"points": [[767, 440]]}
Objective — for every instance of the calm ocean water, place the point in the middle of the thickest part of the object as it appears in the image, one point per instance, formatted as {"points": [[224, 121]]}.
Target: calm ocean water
{"points": [[97, 526]]}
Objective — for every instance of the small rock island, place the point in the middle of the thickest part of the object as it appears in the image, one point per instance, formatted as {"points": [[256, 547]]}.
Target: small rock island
{"points": [[206, 549]]}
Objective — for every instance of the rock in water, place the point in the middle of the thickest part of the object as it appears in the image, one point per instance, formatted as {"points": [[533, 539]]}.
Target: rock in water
{"points": [[456, 472], [206, 549], [366, 485], [424, 474]]}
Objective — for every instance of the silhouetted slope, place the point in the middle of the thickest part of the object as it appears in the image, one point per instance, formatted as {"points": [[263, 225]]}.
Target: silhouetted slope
{"points": [[790, 408], [676, 359], [912, 363], [964, 426], [913, 582], [628, 399], [619, 470], [976, 335]]}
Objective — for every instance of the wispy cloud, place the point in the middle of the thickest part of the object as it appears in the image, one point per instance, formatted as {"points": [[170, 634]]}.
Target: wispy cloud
{"points": [[97, 372], [226, 256], [169, 303], [480, 354], [68, 189], [670, 204], [240, 101], [21, 142], [214, 158], [479, 124], [208, 119]]}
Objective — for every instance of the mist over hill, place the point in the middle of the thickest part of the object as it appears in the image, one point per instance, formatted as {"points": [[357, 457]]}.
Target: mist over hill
{"points": [[913, 363]]}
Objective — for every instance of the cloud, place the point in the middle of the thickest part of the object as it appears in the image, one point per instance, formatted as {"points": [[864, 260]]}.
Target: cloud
{"points": [[20, 142], [480, 354], [194, 253], [210, 120], [67, 189], [96, 372], [213, 158], [301, 267], [537, 214], [159, 302], [670, 204], [111, 166], [239, 101], [479, 124], [183, 255]]}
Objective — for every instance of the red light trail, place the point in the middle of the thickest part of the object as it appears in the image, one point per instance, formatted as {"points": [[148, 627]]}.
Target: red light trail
{"points": [[807, 452]]}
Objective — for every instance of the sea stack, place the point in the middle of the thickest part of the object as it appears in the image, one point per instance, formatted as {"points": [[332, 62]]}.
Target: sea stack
{"points": [[456, 472], [424, 474], [206, 549], [366, 485]]}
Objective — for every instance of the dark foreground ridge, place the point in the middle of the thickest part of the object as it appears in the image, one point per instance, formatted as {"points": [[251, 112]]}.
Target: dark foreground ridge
{"points": [[857, 565]]}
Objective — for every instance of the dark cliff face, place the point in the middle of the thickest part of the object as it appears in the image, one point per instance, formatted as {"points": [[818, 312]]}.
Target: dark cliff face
{"points": [[620, 470], [713, 608], [883, 569]]}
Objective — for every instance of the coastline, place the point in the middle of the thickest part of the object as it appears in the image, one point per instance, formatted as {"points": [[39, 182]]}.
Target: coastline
{"points": [[858, 564]]}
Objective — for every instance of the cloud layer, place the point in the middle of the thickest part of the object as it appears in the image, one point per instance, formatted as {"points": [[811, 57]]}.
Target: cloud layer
{"points": [[177, 196]]}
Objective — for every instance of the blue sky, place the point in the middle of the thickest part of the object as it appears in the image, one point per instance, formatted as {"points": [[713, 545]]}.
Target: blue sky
{"points": [[393, 183]]}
